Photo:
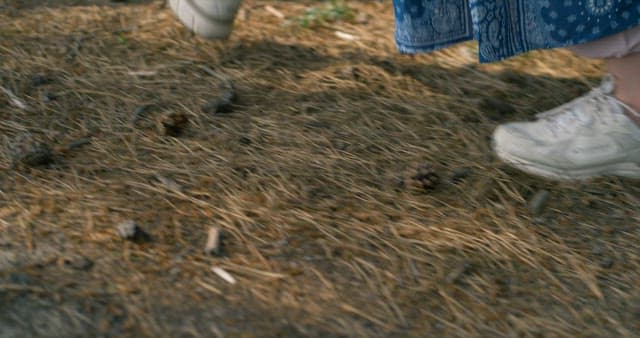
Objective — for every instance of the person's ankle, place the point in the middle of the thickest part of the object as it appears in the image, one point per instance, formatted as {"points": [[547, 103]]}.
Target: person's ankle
{"points": [[628, 98], [632, 110]]}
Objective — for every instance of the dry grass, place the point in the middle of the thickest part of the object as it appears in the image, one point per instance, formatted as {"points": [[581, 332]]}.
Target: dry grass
{"points": [[302, 178]]}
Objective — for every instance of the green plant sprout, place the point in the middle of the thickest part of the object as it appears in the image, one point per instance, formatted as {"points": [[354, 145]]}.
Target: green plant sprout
{"points": [[332, 11]]}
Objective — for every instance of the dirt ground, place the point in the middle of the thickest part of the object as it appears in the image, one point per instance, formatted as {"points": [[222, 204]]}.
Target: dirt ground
{"points": [[355, 187]]}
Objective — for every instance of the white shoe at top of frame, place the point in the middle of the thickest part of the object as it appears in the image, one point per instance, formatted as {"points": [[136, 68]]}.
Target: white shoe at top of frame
{"points": [[211, 19]]}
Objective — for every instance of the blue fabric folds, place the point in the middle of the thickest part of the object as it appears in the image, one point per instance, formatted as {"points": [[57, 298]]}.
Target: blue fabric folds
{"points": [[506, 28]]}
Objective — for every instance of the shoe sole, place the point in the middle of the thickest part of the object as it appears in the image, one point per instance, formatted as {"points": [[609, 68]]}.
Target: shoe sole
{"points": [[202, 23], [628, 170]]}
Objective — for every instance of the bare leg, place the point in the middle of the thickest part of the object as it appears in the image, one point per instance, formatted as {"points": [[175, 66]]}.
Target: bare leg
{"points": [[621, 53], [626, 72]]}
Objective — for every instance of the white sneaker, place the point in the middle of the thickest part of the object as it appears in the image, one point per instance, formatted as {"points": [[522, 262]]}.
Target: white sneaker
{"points": [[211, 19], [585, 138]]}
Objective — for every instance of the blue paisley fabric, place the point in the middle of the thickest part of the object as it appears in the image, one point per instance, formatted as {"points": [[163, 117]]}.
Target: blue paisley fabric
{"points": [[504, 28]]}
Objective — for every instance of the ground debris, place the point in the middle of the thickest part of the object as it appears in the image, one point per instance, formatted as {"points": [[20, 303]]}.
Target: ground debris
{"points": [[78, 143], [169, 183], [39, 154], [538, 202], [460, 175], [213, 246], [26, 150], [362, 18], [14, 99], [140, 112], [222, 104], [172, 123], [131, 231], [607, 263], [421, 178], [40, 80], [79, 262], [223, 274], [49, 96], [245, 141]]}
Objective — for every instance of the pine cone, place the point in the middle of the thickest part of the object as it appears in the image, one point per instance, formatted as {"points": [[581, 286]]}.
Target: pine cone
{"points": [[172, 123], [422, 178]]}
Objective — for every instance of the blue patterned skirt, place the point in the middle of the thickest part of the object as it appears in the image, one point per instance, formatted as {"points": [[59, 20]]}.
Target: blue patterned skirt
{"points": [[506, 28]]}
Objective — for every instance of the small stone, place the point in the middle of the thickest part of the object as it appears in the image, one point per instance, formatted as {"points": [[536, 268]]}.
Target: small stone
{"points": [[362, 18], [340, 145], [351, 72], [79, 263], [607, 263], [597, 250], [26, 150], [213, 242], [131, 231], [140, 112], [538, 202], [127, 229], [49, 96], [222, 104], [460, 174], [73, 145], [39, 155], [618, 214], [172, 124], [40, 79], [538, 220], [243, 14]]}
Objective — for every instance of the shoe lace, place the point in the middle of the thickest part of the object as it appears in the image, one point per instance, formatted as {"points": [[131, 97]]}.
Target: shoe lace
{"points": [[583, 111], [605, 88], [586, 109]]}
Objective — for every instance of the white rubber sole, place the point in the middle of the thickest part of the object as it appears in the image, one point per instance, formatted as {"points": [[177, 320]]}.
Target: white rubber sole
{"points": [[628, 170], [211, 19]]}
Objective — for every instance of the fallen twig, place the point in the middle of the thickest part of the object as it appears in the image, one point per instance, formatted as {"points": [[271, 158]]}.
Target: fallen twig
{"points": [[274, 12], [346, 36], [224, 275], [15, 100]]}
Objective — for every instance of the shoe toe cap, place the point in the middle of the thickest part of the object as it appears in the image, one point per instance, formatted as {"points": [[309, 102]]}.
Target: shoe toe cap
{"points": [[510, 138]]}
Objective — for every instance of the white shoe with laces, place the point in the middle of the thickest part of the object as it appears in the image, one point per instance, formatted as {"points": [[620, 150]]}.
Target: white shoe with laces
{"points": [[588, 137], [211, 19]]}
